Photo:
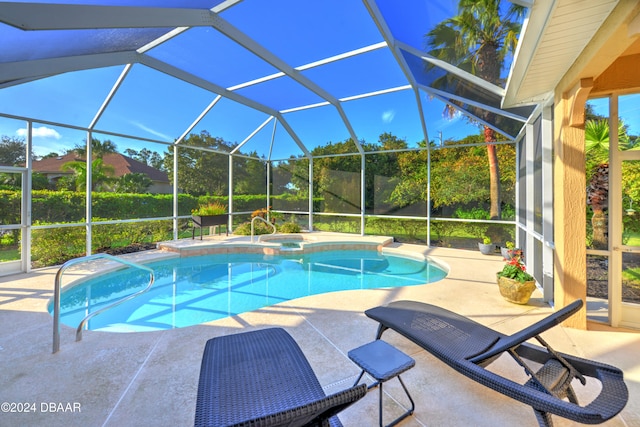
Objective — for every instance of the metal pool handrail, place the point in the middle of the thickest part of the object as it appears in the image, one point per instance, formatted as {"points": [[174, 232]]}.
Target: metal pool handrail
{"points": [[263, 220], [56, 294]]}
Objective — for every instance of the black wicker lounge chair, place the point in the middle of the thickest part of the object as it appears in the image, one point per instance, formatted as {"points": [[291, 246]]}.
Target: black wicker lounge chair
{"points": [[468, 347], [262, 378]]}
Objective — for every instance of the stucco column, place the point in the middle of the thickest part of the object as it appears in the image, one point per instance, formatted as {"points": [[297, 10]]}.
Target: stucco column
{"points": [[569, 189]]}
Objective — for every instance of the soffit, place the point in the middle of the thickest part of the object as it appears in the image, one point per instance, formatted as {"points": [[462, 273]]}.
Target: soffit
{"points": [[556, 33]]}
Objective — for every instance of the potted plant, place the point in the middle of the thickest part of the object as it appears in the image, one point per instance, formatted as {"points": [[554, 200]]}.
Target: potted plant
{"points": [[507, 250], [209, 215], [486, 247], [516, 285], [267, 214]]}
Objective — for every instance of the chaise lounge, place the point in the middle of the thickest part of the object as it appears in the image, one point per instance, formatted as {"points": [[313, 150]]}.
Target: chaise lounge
{"points": [[262, 378], [468, 347]]}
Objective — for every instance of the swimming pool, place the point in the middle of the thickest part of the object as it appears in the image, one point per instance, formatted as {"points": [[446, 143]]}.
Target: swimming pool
{"points": [[198, 289]]}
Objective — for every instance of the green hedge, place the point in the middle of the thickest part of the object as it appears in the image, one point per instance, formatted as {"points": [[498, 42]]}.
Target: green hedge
{"points": [[52, 246], [10, 206], [69, 206]]}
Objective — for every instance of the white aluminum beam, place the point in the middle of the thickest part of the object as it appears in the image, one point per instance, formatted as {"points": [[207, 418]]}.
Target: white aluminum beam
{"points": [[197, 120], [110, 96], [452, 69], [40, 16], [46, 16], [464, 100], [471, 116], [254, 133], [386, 33], [252, 46], [40, 68]]}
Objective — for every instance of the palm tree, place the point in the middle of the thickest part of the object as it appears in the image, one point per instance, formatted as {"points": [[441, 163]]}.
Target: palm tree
{"points": [[596, 138], [101, 174], [132, 183], [477, 40], [98, 148]]}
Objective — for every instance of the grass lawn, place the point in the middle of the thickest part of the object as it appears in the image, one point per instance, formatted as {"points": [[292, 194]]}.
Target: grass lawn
{"points": [[9, 254], [634, 240]]}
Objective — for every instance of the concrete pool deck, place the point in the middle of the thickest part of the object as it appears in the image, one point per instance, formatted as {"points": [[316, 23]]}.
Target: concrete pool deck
{"points": [[136, 379]]}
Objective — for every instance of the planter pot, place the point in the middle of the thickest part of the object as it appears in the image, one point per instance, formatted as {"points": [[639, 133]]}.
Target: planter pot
{"points": [[514, 291], [201, 221], [209, 220], [486, 249], [508, 253]]}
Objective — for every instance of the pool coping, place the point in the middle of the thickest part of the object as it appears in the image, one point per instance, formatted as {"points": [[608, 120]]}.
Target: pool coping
{"points": [[309, 243], [120, 379]]}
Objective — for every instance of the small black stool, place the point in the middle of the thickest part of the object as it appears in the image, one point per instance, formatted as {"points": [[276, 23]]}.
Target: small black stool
{"points": [[383, 361]]}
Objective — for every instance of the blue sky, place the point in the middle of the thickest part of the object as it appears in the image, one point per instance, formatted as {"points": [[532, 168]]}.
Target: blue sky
{"points": [[628, 110], [150, 104]]}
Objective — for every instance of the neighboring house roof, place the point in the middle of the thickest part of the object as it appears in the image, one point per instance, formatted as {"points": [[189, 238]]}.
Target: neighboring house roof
{"points": [[121, 164]]}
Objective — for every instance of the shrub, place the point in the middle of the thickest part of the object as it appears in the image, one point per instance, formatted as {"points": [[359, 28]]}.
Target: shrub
{"points": [[259, 227], [52, 246], [211, 208], [289, 227]]}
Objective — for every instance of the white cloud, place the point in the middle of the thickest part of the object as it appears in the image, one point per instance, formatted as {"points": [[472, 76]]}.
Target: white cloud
{"points": [[388, 116], [40, 132], [152, 132]]}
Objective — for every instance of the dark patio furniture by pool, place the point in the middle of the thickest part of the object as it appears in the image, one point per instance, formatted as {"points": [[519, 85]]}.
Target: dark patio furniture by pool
{"points": [[262, 378], [383, 362], [468, 347]]}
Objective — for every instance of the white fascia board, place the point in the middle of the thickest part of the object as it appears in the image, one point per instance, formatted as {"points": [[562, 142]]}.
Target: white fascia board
{"points": [[530, 38]]}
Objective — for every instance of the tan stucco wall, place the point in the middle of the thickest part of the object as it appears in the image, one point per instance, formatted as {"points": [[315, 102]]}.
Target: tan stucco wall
{"points": [[608, 64], [569, 212]]}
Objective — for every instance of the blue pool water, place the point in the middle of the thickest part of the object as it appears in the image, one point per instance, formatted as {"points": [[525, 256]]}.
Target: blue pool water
{"points": [[193, 290]]}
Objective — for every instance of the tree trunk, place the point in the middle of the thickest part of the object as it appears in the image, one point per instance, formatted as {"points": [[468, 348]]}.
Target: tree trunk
{"points": [[598, 199], [599, 224], [494, 174]]}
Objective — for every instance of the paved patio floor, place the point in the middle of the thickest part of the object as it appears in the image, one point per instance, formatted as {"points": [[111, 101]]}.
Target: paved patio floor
{"points": [[150, 378]]}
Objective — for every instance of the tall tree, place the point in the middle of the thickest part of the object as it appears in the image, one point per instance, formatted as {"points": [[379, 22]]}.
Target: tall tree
{"points": [[146, 156], [201, 172], [98, 148], [478, 40], [13, 151]]}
